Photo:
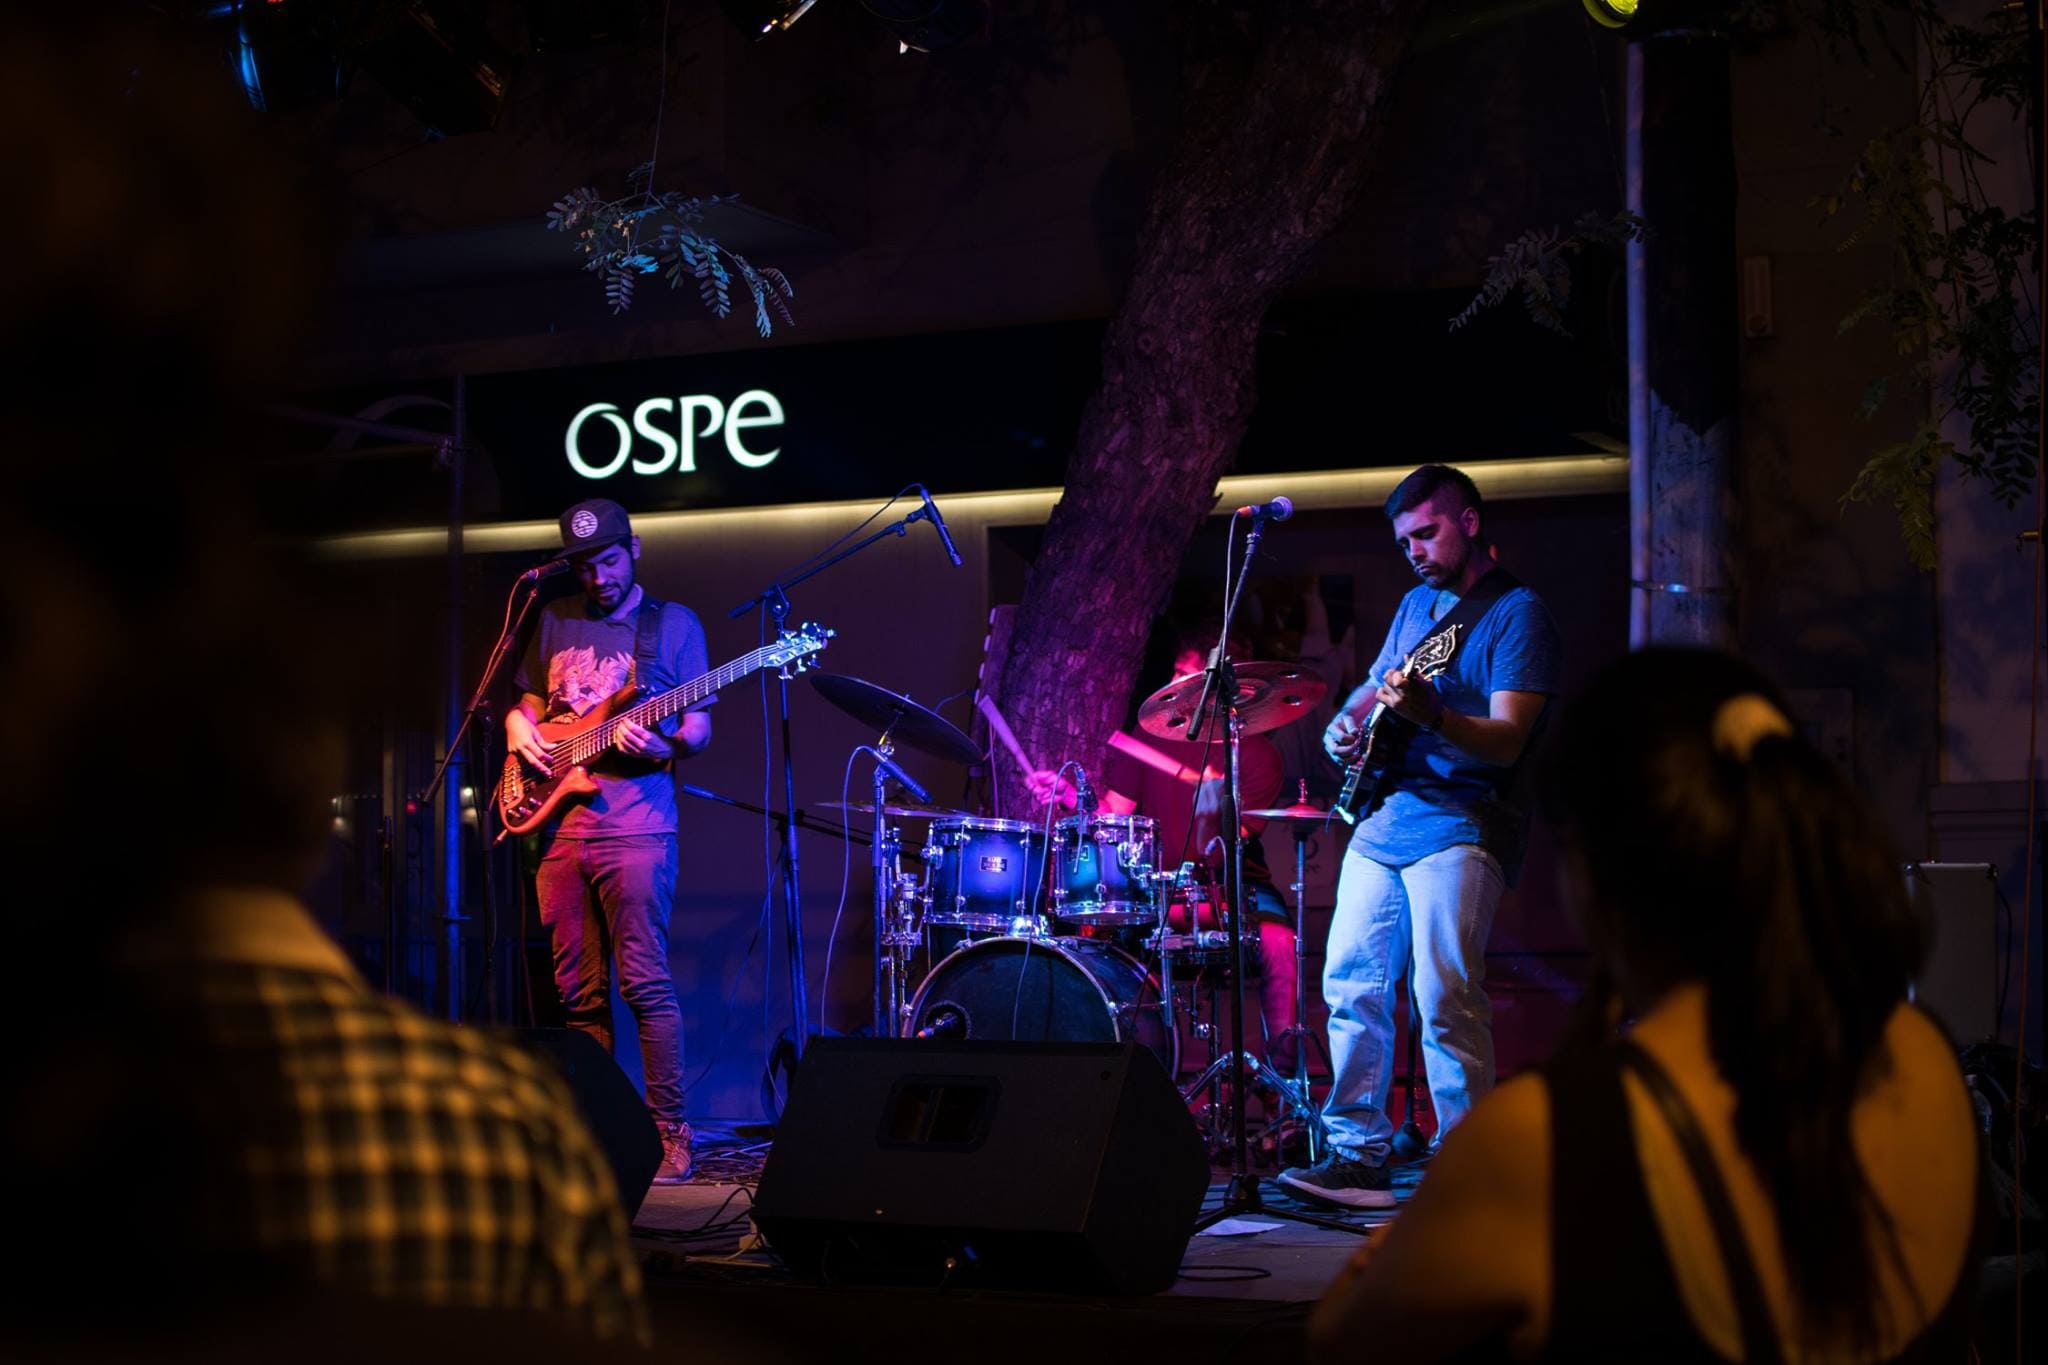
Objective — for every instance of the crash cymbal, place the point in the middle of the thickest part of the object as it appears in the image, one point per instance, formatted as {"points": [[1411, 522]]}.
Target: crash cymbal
{"points": [[903, 720], [893, 812], [1300, 813], [1269, 695]]}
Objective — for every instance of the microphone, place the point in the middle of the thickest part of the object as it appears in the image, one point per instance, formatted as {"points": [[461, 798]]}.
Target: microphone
{"points": [[547, 570], [903, 779], [931, 512], [1279, 509], [1084, 794], [947, 1022]]}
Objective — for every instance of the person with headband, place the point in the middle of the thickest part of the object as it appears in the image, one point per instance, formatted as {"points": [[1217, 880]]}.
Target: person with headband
{"points": [[1756, 1147]]}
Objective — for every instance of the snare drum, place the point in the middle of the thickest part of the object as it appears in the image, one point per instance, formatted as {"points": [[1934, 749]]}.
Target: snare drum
{"points": [[1103, 870], [982, 873]]}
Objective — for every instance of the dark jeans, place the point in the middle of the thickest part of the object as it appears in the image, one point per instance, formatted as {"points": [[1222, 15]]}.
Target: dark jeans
{"points": [[610, 898]]}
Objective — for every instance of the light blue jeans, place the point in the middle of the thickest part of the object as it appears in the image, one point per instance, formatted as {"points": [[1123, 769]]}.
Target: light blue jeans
{"points": [[1442, 906]]}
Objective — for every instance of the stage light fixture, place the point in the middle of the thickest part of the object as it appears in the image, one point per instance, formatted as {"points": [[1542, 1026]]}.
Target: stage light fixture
{"points": [[279, 55], [1612, 13], [929, 25], [759, 18]]}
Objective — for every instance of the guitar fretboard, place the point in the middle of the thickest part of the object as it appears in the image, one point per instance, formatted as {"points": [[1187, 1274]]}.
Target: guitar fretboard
{"points": [[655, 709]]}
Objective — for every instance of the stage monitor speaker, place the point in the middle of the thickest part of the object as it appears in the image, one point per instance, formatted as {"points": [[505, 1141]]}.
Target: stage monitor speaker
{"points": [[1960, 982], [610, 1106], [1070, 1166]]}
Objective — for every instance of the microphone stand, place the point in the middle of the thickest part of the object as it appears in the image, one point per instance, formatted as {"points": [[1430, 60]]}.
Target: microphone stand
{"points": [[1219, 690], [774, 600], [501, 652]]}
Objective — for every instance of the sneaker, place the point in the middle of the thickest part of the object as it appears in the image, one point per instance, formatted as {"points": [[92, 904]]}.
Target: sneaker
{"points": [[675, 1154], [1340, 1180]]}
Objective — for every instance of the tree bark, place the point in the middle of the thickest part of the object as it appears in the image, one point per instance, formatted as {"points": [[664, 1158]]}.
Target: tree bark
{"points": [[1274, 137]]}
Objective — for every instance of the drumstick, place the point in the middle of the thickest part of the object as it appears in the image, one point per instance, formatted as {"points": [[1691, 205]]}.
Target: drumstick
{"points": [[1152, 758], [1000, 728]]}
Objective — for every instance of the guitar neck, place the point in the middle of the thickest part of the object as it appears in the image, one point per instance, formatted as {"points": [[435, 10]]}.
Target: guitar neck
{"points": [[655, 709]]}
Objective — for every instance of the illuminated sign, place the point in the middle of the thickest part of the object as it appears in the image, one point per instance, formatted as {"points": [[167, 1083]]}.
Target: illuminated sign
{"points": [[673, 426]]}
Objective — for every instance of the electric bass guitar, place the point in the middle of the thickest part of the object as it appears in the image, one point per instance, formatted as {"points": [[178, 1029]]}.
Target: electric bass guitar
{"points": [[528, 796], [1386, 734]]}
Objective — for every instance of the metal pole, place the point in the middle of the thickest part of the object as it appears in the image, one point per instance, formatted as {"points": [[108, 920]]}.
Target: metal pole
{"points": [[452, 918], [1684, 347], [1637, 260]]}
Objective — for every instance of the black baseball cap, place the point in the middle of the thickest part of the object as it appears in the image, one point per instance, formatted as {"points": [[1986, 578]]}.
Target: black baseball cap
{"points": [[594, 524]]}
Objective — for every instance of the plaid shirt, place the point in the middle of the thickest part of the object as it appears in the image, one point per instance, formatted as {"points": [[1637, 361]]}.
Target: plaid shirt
{"points": [[384, 1151]]}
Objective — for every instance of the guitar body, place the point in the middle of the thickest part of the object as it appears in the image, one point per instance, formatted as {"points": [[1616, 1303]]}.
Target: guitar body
{"points": [[1387, 735], [529, 797]]}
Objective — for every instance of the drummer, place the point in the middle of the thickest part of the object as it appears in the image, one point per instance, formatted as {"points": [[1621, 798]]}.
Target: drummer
{"points": [[1179, 785]]}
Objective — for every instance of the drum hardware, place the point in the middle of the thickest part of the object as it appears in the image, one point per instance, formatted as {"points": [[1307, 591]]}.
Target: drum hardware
{"points": [[1304, 818], [1240, 698]]}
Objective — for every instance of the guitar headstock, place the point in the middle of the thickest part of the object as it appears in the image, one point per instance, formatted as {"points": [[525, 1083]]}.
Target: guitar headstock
{"points": [[796, 650], [1435, 655]]}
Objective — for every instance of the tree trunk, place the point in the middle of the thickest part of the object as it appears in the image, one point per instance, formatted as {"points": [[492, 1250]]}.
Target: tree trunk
{"points": [[1273, 141]]}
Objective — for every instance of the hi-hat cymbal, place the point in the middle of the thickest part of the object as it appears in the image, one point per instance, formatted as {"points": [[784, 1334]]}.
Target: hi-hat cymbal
{"points": [[1269, 695], [1301, 813], [893, 812], [897, 716]]}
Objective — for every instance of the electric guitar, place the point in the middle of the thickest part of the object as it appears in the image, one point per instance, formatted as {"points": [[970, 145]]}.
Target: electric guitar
{"points": [[1386, 734], [528, 796]]}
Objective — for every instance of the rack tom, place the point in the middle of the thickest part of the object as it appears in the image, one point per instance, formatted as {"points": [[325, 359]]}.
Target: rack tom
{"points": [[1103, 869], [982, 873]]}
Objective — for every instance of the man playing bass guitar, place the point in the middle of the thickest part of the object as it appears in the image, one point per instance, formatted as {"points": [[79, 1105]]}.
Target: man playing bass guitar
{"points": [[1439, 834], [607, 878]]}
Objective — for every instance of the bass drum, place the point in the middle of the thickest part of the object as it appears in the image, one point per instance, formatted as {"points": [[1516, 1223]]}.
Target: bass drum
{"points": [[1045, 990]]}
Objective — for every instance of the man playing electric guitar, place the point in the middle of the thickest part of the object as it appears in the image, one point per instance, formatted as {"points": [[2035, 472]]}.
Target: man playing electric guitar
{"points": [[1442, 835], [607, 877]]}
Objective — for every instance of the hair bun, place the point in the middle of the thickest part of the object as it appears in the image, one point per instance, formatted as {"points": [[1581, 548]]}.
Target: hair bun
{"points": [[1745, 719]]}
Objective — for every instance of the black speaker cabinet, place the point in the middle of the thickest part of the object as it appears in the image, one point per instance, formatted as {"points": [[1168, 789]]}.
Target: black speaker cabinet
{"points": [[1071, 1166], [609, 1105]]}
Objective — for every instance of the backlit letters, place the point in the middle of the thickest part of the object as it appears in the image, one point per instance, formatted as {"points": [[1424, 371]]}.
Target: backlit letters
{"points": [[669, 429]]}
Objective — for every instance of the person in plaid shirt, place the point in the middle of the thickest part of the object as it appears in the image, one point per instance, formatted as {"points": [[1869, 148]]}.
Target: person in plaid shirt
{"points": [[371, 1148], [210, 1116]]}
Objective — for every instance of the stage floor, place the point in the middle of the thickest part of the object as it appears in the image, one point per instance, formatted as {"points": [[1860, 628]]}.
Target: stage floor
{"points": [[1239, 1296]]}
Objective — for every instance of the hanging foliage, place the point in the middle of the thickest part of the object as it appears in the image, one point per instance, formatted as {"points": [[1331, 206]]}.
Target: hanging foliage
{"points": [[1960, 303], [645, 233], [1538, 266]]}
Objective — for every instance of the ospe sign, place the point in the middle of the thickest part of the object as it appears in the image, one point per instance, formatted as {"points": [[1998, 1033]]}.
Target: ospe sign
{"points": [[669, 429]]}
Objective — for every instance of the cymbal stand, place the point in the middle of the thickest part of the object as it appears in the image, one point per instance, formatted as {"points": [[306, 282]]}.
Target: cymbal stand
{"points": [[1297, 1089], [894, 943], [1220, 695]]}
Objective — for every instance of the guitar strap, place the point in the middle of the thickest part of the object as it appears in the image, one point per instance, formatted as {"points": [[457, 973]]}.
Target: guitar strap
{"points": [[648, 670], [1472, 606]]}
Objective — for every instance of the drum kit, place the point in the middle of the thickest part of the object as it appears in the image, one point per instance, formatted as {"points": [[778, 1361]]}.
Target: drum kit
{"points": [[1071, 929]]}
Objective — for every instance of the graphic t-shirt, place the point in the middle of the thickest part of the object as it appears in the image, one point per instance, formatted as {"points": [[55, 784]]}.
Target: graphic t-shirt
{"points": [[577, 659], [1441, 795]]}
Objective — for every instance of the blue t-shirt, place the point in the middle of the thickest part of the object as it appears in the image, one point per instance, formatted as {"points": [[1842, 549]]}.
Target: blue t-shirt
{"points": [[577, 659], [1439, 795]]}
